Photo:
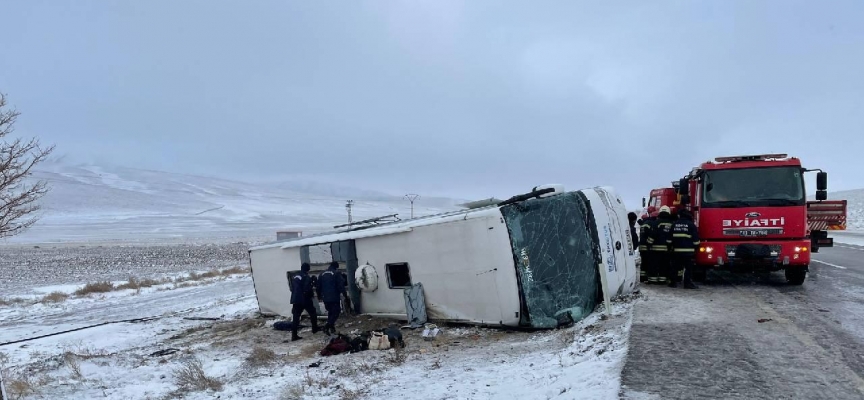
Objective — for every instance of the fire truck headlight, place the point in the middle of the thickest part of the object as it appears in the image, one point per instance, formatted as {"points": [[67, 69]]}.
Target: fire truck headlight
{"points": [[706, 249], [800, 249]]}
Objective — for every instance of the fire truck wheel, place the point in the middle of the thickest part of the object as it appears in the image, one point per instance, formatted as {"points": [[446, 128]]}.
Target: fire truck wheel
{"points": [[795, 276], [700, 274]]}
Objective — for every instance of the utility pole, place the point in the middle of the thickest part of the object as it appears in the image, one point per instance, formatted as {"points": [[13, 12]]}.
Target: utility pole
{"points": [[411, 198], [348, 207]]}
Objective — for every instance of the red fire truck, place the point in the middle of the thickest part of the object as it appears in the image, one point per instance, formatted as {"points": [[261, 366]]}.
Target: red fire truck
{"points": [[752, 213]]}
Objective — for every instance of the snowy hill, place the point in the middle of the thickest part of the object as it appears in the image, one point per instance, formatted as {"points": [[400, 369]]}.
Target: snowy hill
{"points": [[855, 207], [115, 203]]}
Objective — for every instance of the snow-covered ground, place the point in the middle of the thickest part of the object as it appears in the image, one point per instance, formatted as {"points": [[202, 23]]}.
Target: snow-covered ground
{"points": [[108, 203], [25, 270], [117, 360]]}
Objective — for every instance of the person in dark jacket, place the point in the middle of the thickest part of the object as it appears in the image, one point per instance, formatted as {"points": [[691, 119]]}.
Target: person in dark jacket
{"points": [[646, 230], [331, 288], [685, 240], [302, 297], [660, 242], [632, 218]]}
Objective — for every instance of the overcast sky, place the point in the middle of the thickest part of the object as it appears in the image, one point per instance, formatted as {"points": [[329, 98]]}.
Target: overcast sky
{"points": [[466, 99]]}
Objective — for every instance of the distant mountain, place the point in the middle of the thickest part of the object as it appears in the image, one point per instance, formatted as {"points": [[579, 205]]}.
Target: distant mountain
{"points": [[92, 202]]}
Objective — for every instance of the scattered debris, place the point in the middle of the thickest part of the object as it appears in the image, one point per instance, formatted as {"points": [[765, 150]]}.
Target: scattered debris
{"points": [[164, 352], [431, 332], [203, 318], [763, 320]]}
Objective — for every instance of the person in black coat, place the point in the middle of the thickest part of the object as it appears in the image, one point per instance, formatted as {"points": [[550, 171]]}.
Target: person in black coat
{"points": [[632, 218], [649, 266], [660, 243], [331, 287], [685, 241], [302, 298]]}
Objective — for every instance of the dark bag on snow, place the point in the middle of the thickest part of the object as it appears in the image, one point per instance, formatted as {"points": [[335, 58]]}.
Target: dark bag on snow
{"points": [[283, 325], [395, 335]]}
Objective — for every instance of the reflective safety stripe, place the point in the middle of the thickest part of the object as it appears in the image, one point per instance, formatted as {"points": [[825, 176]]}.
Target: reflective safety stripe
{"points": [[650, 240], [664, 224], [680, 273], [696, 243], [643, 248], [685, 250], [682, 235], [659, 248]]}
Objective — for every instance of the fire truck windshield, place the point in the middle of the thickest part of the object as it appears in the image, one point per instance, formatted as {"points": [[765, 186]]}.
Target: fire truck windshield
{"points": [[753, 187]]}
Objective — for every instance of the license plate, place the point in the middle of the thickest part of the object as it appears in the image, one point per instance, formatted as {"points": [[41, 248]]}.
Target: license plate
{"points": [[762, 232]]}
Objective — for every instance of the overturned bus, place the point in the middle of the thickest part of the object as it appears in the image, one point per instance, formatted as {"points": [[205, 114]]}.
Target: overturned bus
{"points": [[538, 260]]}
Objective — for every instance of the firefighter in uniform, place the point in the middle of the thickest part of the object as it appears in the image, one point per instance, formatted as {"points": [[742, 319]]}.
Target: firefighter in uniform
{"points": [[645, 239], [685, 240], [302, 298], [661, 242]]}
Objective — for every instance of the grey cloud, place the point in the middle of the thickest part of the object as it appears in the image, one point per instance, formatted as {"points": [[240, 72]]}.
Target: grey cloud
{"points": [[468, 99]]}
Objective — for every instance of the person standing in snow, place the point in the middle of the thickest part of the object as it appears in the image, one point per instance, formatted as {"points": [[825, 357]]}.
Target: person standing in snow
{"points": [[632, 218], [660, 242], [331, 288], [646, 230], [685, 240], [302, 297]]}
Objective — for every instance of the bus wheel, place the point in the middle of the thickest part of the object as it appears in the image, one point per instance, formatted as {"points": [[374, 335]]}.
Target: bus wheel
{"points": [[796, 275]]}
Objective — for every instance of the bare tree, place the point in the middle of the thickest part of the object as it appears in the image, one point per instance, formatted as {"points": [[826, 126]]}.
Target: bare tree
{"points": [[18, 195]]}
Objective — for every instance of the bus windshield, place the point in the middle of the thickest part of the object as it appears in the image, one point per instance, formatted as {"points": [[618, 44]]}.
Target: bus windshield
{"points": [[753, 187]]}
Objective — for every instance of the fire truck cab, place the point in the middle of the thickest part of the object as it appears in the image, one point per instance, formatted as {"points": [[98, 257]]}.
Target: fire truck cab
{"points": [[752, 213]]}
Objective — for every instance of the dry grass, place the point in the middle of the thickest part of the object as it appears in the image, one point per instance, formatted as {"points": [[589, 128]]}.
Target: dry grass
{"points": [[260, 357], [182, 285], [95, 287], [24, 384], [20, 387], [136, 284], [191, 376], [193, 279], [71, 361], [12, 301], [54, 297], [235, 271], [349, 394]]}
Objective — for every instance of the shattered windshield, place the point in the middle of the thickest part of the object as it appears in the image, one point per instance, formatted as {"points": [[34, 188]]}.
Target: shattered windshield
{"points": [[556, 258], [753, 187]]}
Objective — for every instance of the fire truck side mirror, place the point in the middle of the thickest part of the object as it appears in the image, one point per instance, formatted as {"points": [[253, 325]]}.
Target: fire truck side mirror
{"points": [[821, 195], [684, 187], [821, 181]]}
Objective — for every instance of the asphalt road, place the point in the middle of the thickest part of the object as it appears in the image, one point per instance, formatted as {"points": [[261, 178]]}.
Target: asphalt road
{"points": [[709, 343]]}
